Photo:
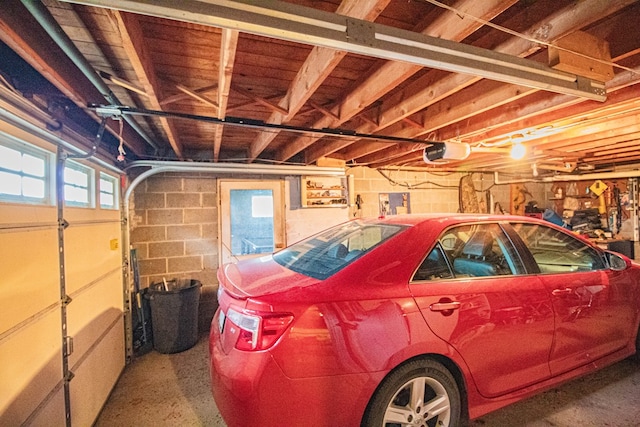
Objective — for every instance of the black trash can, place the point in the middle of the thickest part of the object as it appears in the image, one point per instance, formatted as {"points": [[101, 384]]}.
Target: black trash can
{"points": [[174, 314]]}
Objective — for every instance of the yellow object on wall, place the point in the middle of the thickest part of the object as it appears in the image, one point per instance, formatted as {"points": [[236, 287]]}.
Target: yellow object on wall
{"points": [[598, 187]]}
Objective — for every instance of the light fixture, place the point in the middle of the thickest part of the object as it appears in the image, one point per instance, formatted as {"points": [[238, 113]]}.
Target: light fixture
{"points": [[518, 151]]}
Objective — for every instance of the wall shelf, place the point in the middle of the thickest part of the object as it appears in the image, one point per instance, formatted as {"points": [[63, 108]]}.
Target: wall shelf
{"points": [[323, 192]]}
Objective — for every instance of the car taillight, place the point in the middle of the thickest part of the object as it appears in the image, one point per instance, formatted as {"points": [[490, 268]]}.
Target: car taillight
{"points": [[258, 331]]}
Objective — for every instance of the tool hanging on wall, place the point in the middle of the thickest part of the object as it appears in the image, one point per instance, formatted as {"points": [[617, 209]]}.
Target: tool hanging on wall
{"points": [[616, 197], [519, 195], [467, 195], [598, 188]]}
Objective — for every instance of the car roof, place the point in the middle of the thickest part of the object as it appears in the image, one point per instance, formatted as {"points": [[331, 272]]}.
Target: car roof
{"points": [[446, 219]]}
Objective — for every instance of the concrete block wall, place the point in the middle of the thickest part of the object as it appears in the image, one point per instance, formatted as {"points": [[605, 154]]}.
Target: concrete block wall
{"points": [[174, 217], [174, 227], [434, 193], [430, 192]]}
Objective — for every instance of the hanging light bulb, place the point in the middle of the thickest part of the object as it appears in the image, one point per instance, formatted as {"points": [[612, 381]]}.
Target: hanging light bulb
{"points": [[518, 151]]}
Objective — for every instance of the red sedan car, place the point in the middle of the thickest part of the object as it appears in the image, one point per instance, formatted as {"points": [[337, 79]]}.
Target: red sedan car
{"points": [[419, 320]]}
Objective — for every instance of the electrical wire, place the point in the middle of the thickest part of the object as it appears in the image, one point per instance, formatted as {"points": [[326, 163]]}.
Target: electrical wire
{"points": [[417, 186]]}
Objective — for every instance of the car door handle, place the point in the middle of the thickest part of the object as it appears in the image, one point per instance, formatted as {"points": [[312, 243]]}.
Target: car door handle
{"points": [[445, 306], [560, 292]]}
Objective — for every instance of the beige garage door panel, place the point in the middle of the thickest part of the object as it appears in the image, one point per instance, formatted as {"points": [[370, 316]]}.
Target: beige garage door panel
{"points": [[32, 388], [96, 375], [92, 312], [29, 272], [52, 414], [89, 254], [19, 215], [31, 368]]}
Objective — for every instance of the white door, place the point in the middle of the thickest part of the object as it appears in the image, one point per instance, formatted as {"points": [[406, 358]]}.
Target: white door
{"points": [[251, 219]]}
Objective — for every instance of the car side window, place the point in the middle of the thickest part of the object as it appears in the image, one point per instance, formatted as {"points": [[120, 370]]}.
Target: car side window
{"points": [[483, 250], [558, 252], [434, 266], [477, 250]]}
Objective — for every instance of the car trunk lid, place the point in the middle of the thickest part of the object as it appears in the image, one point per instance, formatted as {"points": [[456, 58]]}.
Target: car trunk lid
{"points": [[247, 320], [260, 277]]}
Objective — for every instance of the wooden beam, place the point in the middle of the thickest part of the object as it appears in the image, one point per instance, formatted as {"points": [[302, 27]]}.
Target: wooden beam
{"points": [[596, 134], [401, 159], [483, 96], [196, 95], [575, 142], [316, 68], [575, 53], [250, 102], [497, 123], [180, 96], [122, 83], [323, 110], [538, 109], [356, 151], [301, 24], [262, 101], [135, 47], [366, 119], [228, 47]]}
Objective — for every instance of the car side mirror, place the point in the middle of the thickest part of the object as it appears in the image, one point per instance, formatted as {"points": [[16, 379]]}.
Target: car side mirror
{"points": [[617, 261]]}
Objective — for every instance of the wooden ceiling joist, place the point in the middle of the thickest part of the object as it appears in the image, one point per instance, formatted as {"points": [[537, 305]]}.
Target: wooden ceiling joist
{"points": [[318, 65], [134, 44], [228, 48]]}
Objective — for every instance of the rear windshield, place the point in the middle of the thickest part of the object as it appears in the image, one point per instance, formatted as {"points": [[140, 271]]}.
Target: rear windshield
{"points": [[328, 252]]}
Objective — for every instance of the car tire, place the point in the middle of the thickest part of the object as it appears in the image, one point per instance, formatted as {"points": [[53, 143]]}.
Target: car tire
{"points": [[636, 356], [420, 392]]}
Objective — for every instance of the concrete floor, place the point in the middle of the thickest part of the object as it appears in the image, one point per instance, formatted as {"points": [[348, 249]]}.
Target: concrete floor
{"points": [[173, 390], [164, 390]]}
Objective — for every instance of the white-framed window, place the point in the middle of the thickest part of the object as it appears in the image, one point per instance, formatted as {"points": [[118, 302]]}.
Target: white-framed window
{"points": [[108, 191], [24, 172], [78, 185]]}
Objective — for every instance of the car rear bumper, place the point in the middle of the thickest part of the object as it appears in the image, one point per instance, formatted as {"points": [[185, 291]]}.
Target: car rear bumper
{"points": [[249, 388]]}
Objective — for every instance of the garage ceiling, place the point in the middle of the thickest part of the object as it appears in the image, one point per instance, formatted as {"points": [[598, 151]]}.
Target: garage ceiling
{"points": [[273, 82]]}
